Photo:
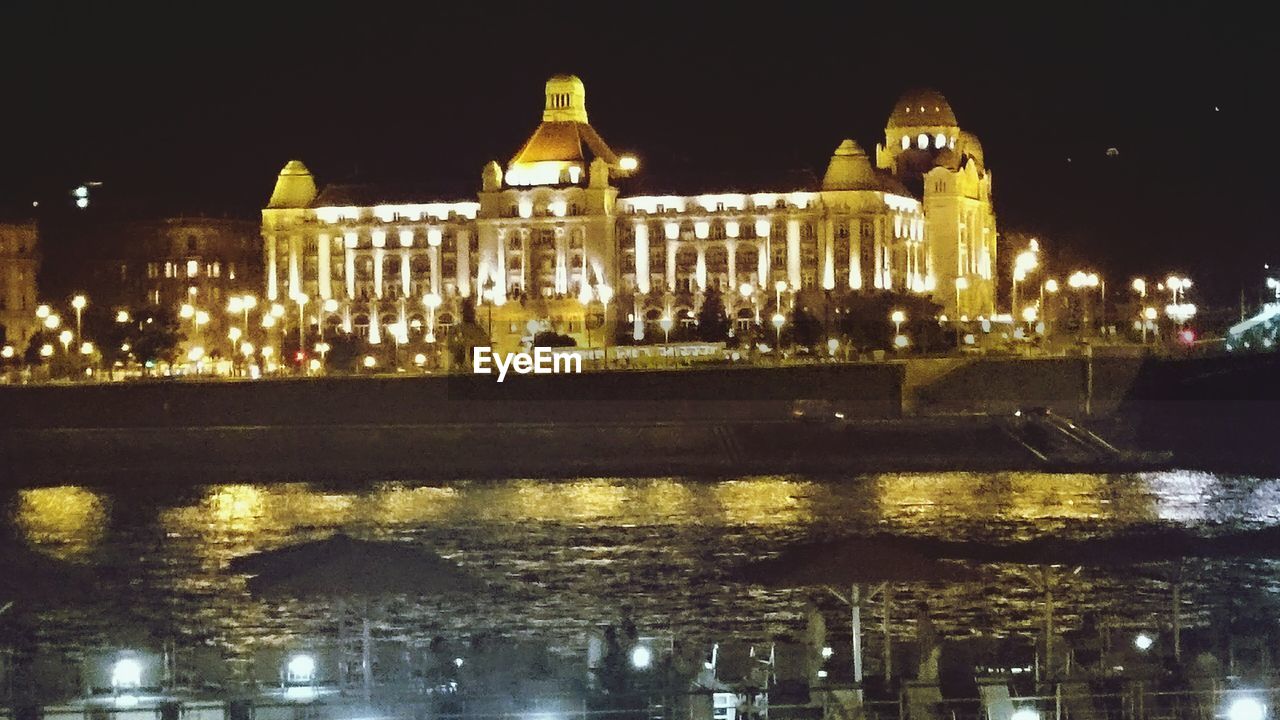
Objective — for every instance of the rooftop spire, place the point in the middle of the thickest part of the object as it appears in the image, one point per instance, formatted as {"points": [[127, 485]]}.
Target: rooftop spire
{"points": [[566, 100]]}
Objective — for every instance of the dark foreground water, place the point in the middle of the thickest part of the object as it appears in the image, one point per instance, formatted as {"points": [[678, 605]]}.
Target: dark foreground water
{"points": [[563, 556]]}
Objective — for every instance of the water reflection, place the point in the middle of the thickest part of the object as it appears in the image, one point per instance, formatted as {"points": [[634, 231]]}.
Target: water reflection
{"points": [[569, 554], [67, 522]]}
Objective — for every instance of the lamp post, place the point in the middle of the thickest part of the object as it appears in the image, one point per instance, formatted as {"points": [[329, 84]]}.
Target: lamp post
{"points": [[898, 317], [1024, 263], [584, 297], [778, 287], [778, 321], [1048, 286], [330, 306], [78, 302], [432, 301], [1081, 280], [1139, 286], [666, 324], [605, 293], [962, 283]]}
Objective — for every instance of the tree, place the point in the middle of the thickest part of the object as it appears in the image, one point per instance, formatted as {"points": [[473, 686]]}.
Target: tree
{"points": [[156, 336], [713, 324], [804, 328], [553, 339], [866, 320], [346, 352]]}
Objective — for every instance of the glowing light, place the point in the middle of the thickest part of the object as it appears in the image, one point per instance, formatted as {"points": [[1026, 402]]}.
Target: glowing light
{"points": [[86, 348], [126, 674], [202, 317], [42, 311], [762, 227], [330, 305], [46, 350], [746, 290], [1025, 714], [420, 359], [379, 238], [906, 142], [277, 310], [922, 141], [558, 207], [525, 207], [7, 352], [1029, 313], [434, 237], [1139, 286], [370, 361], [187, 311], [939, 141], [1051, 285], [246, 349], [78, 302], [827, 653], [195, 354], [52, 322], [898, 317], [779, 320], [406, 238], [641, 657], [731, 228], [301, 669], [1143, 642], [702, 229], [65, 336], [901, 341], [1246, 708], [628, 163], [1150, 313]]}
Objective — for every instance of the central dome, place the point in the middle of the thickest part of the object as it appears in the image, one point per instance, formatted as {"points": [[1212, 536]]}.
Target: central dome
{"points": [[922, 107]]}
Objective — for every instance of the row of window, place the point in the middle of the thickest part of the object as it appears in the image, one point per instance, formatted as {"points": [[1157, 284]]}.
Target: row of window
{"points": [[180, 269], [939, 141]]}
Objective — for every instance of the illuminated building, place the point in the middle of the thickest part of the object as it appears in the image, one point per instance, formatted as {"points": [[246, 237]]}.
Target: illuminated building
{"points": [[553, 227], [19, 261]]}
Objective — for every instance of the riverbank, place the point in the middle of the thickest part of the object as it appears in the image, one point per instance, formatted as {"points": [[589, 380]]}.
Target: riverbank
{"points": [[941, 414]]}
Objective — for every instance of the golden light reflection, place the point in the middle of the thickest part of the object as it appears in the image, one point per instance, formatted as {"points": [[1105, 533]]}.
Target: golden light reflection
{"points": [[580, 501], [398, 504], [764, 501], [68, 522]]}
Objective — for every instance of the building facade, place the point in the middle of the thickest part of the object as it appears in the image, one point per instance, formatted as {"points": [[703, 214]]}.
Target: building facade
{"points": [[551, 241], [19, 264]]}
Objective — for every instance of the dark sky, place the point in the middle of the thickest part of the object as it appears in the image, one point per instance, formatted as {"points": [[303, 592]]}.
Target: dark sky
{"points": [[179, 109]]}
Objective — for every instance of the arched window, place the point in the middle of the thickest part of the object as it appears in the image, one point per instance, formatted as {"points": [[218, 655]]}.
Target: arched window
{"points": [[922, 141], [906, 142], [939, 141]]}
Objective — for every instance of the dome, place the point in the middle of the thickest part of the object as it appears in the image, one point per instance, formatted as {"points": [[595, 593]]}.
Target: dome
{"points": [[921, 108], [295, 188], [969, 145], [850, 169], [566, 100]]}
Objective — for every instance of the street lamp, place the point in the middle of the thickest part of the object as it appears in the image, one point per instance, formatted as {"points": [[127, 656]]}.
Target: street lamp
{"points": [[52, 322], [778, 320], [666, 324], [43, 311], [898, 317], [1081, 280], [432, 301], [78, 302], [65, 338], [1024, 263], [605, 293], [778, 287], [122, 316]]}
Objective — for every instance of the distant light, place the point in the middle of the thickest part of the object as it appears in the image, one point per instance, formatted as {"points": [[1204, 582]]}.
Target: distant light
{"points": [[82, 203], [901, 341], [46, 350], [122, 316], [822, 673], [1025, 714], [1187, 336], [301, 669], [52, 322], [457, 662], [628, 163], [832, 345], [86, 348], [42, 311], [1143, 642], [1246, 708], [420, 359], [126, 673], [81, 192], [827, 652], [641, 657], [195, 354], [370, 362], [314, 364], [330, 305]]}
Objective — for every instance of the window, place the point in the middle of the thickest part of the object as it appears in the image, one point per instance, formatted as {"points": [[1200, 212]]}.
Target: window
{"points": [[153, 270], [922, 141], [168, 269], [906, 142], [939, 141], [193, 268]]}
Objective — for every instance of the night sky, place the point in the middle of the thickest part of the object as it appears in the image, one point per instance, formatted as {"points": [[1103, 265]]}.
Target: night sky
{"points": [[178, 111]]}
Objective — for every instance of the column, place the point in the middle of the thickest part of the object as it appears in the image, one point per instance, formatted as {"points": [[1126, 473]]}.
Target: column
{"points": [[642, 257], [793, 252], [672, 246], [700, 269], [295, 283], [273, 289], [323, 249], [828, 255], [731, 248], [762, 264], [500, 274], [349, 266], [463, 240], [877, 277], [435, 260], [378, 254], [562, 262], [855, 253]]}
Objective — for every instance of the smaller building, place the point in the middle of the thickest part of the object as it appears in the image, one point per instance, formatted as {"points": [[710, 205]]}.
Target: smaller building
{"points": [[19, 262]]}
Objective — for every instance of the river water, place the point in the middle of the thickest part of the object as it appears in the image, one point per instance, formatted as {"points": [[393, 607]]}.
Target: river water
{"points": [[564, 556]]}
